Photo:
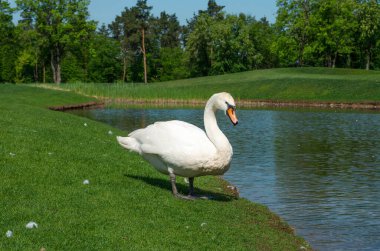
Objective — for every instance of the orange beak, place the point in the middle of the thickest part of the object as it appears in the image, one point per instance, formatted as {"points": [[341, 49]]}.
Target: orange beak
{"points": [[231, 114]]}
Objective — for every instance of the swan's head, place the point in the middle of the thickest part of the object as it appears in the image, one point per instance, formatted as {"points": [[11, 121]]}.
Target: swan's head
{"points": [[225, 102]]}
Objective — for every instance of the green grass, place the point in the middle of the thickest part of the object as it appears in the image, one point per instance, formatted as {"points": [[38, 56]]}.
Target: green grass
{"points": [[291, 84], [46, 155]]}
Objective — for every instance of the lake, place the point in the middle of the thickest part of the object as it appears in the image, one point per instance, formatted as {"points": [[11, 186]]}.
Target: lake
{"points": [[318, 170]]}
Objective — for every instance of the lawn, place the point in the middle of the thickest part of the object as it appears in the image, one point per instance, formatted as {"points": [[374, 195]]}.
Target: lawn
{"points": [[46, 155], [290, 84]]}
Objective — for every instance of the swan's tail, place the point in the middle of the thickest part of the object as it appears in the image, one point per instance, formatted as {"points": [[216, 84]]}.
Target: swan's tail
{"points": [[129, 143]]}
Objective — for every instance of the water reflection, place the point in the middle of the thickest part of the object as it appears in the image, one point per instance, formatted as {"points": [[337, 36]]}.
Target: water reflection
{"points": [[318, 170], [327, 166]]}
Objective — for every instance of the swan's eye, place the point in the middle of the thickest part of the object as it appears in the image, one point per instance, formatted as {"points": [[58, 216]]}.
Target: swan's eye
{"points": [[230, 106]]}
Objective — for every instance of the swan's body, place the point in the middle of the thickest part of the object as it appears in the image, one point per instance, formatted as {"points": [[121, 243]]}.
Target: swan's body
{"points": [[179, 148]]}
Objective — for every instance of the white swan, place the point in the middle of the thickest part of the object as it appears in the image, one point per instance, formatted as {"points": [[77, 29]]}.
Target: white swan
{"points": [[179, 148]]}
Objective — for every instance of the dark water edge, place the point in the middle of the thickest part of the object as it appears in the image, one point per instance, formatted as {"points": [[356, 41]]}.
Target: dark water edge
{"points": [[318, 170]]}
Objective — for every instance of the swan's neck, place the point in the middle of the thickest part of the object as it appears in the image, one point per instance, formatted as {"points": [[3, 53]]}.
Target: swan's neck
{"points": [[215, 135]]}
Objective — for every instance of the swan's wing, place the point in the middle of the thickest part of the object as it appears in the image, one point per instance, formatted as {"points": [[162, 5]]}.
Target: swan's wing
{"points": [[177, 142]]}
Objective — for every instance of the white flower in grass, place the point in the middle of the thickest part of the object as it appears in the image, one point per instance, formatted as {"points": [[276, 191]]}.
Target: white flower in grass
{"points": [[31, 225], [110, 132], [12, 154], [86, 182], [9, 234], [85, 124]]}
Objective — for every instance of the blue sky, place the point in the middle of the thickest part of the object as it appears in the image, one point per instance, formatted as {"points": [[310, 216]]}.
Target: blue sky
{"points": [[105, 11]]}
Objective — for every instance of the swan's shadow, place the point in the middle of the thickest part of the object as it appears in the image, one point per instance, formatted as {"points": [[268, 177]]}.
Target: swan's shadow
{"points": [[166, 185]]}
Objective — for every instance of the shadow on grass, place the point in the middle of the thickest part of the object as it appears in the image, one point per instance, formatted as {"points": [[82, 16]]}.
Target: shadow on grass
{"points": [[166, 185]]}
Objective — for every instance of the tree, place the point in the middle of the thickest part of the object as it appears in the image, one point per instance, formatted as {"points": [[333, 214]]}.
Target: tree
{"points": [[214, 10], [232, 49], [8, 46], [124, 30], [104, 66], [59, 24], [263, 37], [171, 64], [221, 46], [326, 32], [334, 25], [369, 28], [32, 52], [132, 29], [167, 30], [143, 16], [293, 26], [166, 53], [198, 46], [82, 38]]}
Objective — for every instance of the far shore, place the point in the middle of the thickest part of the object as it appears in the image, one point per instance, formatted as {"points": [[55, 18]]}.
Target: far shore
{"points": [[240, 103], [248, 103]]}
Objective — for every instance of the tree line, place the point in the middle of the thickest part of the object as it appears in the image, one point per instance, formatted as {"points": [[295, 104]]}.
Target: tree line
{"points": [[55, 41]]}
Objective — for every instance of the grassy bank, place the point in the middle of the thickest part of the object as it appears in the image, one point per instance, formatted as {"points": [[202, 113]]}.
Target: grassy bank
{"points": [[46, 155], [292, 84]]}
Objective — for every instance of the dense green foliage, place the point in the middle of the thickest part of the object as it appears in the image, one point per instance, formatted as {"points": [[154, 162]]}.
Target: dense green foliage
{"points": [[46, 155], [8, 52], [55, 41], [331, 33], [290, 84]]}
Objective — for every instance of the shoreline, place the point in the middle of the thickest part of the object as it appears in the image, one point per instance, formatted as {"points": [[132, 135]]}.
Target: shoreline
{"points": [[88, 105], [245, 103], [103, 102]]}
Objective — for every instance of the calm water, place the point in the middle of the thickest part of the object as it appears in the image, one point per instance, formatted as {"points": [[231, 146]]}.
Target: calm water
{"points": [[320, 171]]}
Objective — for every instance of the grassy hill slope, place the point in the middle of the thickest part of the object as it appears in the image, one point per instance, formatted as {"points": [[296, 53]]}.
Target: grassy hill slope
{"points": [[291, 84]]}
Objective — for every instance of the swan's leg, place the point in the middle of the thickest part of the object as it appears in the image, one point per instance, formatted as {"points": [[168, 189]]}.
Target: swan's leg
{"points": [[191, 186], [174, 187], [191, 191], [172, 180]]}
